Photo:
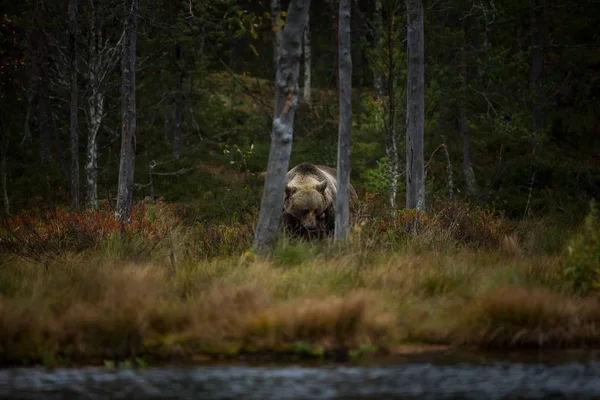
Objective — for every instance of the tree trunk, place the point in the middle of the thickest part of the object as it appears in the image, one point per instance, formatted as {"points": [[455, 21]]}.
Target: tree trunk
{"points": [[307, 62], [91, 166], [415, 115], [95, 111], [537, 65], [286, 98], [178, 103], [385, 92], [26, 127], [178, 117], [74, 106], [391, 144], [3, 171], [342, 210], [277, 29], [128, 123], [537, 71], [468, 172], [51, 144], [334, 34]]}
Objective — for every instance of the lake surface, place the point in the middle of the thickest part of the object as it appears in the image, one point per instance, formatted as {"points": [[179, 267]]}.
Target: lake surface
{"points": [[559, 375]]}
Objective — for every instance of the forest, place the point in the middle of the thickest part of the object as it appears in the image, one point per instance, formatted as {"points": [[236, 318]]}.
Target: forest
{"points": [[135, 137]]}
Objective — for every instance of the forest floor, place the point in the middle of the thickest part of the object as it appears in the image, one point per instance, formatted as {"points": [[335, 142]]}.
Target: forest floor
{"points": [[73, 291]]}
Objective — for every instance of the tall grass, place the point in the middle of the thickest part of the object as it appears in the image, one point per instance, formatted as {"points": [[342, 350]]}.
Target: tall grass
{"points": [[170, 289]]}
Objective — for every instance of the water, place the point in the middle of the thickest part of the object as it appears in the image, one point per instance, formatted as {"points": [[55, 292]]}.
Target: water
{"points": [[537, 376]]}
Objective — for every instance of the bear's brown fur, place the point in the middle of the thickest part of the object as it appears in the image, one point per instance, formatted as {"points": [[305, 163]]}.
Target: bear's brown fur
{"points": [[310, 200]]}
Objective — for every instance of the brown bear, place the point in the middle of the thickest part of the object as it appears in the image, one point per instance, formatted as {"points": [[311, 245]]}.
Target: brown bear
{"points": [[310, 200]]}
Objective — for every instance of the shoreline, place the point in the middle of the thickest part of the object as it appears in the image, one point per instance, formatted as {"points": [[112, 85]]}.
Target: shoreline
{"points": [[401, 354]]}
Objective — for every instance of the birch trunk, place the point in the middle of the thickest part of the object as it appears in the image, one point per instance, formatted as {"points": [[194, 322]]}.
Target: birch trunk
{"points": [[128, 123], [286, 99], [95, 116], [342, 210], [415, 115], [277, 29], [391, 145], [95, 113], [74, 106], [102, 59], [307, 61]]}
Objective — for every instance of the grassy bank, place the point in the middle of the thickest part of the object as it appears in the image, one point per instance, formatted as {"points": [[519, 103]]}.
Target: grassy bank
{"points": [[73, 291]]}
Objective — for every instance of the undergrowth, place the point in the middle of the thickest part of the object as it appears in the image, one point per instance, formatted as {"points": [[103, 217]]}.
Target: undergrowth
{"points": [[72, 288]]}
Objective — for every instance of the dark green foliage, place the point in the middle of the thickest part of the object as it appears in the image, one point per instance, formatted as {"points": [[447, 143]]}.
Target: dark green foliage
{"points": [[582, 269], [213, 63]]}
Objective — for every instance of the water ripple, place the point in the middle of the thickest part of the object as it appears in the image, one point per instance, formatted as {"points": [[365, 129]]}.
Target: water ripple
{"points": [[404, 381]]}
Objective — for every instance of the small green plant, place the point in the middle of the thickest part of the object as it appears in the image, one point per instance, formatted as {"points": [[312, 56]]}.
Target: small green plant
{"points": [[239, 156], [582, 269], [305, 349], [363, 350], [378, 181]]}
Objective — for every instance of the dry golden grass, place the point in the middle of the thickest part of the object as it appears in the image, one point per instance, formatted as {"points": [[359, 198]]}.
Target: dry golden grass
{"points": [[465, 279], [85, 308], [514, 316]]}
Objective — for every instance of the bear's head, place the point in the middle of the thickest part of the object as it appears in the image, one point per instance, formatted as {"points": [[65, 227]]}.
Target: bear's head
{"points": [[308, 203]]}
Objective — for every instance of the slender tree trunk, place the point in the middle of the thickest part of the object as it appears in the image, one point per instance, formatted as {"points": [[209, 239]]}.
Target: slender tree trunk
{"points": [[468, 172], [307, 62], [385, 91], [178, 117], [26, 127], [74, 106], [449, 171], [128, 124], [52, 147], [537, 65], [3, 169], [178, 109], [277, 29], [103, 58], [377, 79], [342, 210], [334, 34], [391, 152], [95, 111], [286, 98], [391, 144], [415, 116], [91, 167], [537, 72], [166, 127]]}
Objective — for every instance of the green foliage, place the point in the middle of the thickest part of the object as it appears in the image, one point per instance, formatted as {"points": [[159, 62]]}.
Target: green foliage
{"points": [[362, 351], [377, 180], [582, 266], [289, 254]]}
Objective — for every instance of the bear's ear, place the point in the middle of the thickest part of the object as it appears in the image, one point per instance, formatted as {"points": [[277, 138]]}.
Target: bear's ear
{"points": [[289, 190], [322, 186]]}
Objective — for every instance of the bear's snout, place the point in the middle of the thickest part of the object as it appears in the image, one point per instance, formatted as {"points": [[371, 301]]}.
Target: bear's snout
{"points": [[310, 221]]}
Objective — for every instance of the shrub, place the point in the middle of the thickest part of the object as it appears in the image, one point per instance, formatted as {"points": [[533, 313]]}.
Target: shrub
{"points": [[582, 267], [50, 233]]}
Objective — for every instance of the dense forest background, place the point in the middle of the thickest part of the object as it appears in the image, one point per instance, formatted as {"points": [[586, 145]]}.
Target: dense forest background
{"points": [[512, 94]]}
